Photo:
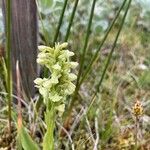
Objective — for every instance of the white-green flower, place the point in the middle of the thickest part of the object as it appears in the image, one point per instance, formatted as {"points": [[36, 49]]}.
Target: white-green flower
{"points": [[59, 84]]}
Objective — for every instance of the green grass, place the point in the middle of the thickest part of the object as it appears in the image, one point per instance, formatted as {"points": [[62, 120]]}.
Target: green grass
{"points": [[8, 60], [113, 73]]}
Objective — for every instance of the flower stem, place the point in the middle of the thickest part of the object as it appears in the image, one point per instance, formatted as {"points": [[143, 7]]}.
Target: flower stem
{"points": [[136, 133], [48, 142]]}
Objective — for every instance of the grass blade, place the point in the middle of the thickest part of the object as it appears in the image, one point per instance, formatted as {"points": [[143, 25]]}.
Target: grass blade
{"points": [[60, 22], [18, 139], [8, 58], [86, 41], [110, 55], [113, 47], [103, 40], [71, 20], [23, 138], [82, 60], [84, 51]]}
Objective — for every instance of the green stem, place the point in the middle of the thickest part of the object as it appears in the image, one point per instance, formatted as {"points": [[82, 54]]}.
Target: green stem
{"points": [[60, 21], [83, 55], [71, 20], [48, 142], [8, 58], [52, 127], [95, 57], [110, 55], [136, 133], [86, 41], [113, 47], [102, 42]]}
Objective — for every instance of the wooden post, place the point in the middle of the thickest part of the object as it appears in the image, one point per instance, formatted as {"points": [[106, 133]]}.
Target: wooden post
{"points": [[24, 43]]}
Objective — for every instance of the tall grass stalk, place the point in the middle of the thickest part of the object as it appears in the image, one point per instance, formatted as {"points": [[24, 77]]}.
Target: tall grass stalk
{"points": [[8, 59], [82, 58], [111, 52], [95, 55], [89, 67], [79, 82], [60, 22], [71, 20], [113, 47]]}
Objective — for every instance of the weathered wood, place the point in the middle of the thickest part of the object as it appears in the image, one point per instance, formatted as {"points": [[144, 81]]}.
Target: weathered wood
{"points": [[24, 42]]}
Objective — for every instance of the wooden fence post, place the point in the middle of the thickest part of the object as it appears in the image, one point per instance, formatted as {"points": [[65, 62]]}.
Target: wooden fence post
{"points": [[24, 42]]}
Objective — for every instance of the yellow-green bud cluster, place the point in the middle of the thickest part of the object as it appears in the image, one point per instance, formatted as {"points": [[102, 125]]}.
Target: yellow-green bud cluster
{"points": [[59, 84]]}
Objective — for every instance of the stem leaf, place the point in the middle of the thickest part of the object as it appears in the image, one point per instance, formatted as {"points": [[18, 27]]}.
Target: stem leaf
{"points": [[26, 140]]}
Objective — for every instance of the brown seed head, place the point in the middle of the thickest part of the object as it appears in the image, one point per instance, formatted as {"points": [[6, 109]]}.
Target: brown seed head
{"points": [[137, 109]]}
